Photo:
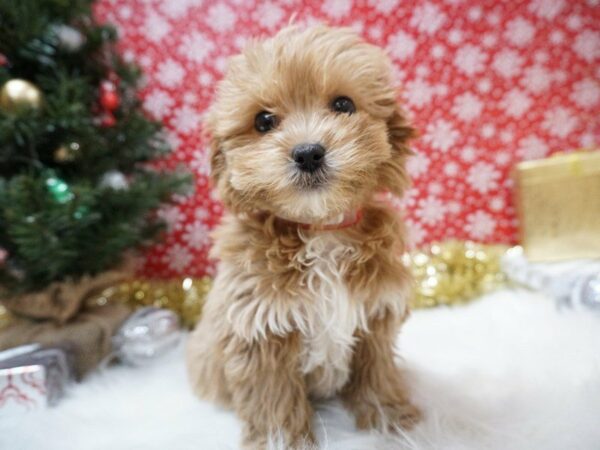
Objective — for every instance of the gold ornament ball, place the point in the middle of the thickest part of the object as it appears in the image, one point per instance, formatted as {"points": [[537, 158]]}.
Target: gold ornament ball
{"points": [[67, 152], [20, 95]]}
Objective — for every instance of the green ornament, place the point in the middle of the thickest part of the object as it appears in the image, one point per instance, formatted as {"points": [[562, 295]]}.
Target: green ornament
{"points": [[59, 189], [81, 212]]}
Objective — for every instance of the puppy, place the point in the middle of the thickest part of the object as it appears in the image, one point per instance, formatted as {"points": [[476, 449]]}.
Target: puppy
{"points": [[310, 291]]}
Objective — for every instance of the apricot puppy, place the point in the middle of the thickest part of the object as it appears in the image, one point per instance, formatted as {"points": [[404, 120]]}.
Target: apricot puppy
{"points": [[310, 291]]}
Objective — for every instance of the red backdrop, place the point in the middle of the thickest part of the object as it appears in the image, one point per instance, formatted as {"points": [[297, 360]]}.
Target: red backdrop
{"points": [[487, 83]]}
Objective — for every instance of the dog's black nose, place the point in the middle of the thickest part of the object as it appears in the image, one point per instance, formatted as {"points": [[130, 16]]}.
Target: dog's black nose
{"points": [[308, 157]]}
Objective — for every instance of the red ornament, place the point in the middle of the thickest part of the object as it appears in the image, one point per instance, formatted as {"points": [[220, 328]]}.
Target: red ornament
{"points": [[109, 97], [3, 60], [110, 100]]}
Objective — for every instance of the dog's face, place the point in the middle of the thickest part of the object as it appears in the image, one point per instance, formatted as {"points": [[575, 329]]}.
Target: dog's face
{"points": [[306, 125]]}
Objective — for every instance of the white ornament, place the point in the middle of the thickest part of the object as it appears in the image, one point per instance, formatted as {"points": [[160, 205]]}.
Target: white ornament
{"points": [[114, 180], [146, 335], [69, 38]]}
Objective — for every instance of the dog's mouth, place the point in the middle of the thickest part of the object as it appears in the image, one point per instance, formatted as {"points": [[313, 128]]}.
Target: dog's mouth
{"points": [[311, 181]]}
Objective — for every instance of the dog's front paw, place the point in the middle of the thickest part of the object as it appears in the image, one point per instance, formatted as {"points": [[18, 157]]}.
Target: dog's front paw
{"points": [[388, 417], [281, 439]]}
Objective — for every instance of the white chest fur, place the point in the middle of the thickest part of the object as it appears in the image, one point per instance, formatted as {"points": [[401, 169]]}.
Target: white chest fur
{"points": [[331, 316], [323, 311]]}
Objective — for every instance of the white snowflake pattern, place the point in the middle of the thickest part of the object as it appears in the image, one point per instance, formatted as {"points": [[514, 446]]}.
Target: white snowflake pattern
{"points": [[454, 207], [588, 140], [186, 119], [507, 63], [506, 136], [470, 59], [489, 40], [201, 162], [419, 93], [574, 22], [417, 165], [422, 70], [197, 235], [467, 106], [451, 169], [177, 258], [557, 37], [124, 12], [170, 73], [480, 225], [468, 154], [269, 15], [541, 57], [409, 199], [337, 8], [196, 46], [401, 45], [416, 233], [474, 14], [559, 121], [515, 103], [484, 85], [172, 139], [547, 9], [158, 103], [532, 147], [375, 32], [177, 8], [483, 177], [559, 76], [488, 130], [427, 18], [586, 93], [587, 45], [455, 36], [156, 27], [536, 79], [201, 214], [493, 19], [221, 17], [441, 135], [435, 188], [502, 158], [438, 51], [384, 6], [431, 210], [519, 31], [172, 216], [497, 204]]}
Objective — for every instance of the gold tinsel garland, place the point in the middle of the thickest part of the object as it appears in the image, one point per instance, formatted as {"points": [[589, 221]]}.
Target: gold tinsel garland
{"points": [[455, 272], [185, 297], [447, 273]]}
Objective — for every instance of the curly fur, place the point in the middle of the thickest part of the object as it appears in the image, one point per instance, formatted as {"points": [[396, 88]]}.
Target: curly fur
{"points": [[297, 313]]}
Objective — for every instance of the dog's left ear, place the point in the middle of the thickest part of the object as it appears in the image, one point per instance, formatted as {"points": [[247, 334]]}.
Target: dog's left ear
{"points": [[393, 172]]}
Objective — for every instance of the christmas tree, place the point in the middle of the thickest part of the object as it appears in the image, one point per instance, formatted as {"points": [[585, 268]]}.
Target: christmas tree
{"points": [[77, 187]]}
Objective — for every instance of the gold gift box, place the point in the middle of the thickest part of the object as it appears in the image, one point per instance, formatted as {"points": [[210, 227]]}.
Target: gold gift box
{"points": [[558, 202]]}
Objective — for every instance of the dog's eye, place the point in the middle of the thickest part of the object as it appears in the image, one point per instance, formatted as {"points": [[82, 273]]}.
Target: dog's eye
{"points": [[265, 121], [343, 105]]}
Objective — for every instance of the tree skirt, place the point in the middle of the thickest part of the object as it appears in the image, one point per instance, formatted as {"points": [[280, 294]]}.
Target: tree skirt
{"points": [[510, 371]]}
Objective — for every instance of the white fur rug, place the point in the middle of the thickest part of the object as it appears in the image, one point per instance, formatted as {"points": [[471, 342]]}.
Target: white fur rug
{"points": [[510, 371]]}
